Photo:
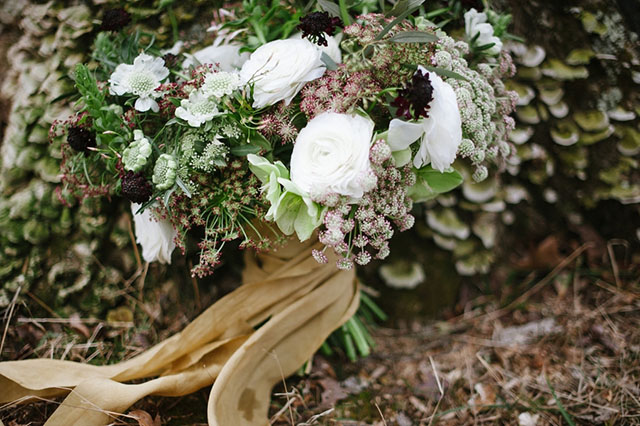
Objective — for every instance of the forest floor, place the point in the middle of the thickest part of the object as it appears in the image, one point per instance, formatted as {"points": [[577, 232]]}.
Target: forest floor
{"points": [[561, 347]]}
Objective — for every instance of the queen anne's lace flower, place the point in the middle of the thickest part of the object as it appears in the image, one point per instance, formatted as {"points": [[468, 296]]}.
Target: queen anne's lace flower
{"points": [[135, 156], [198, 109], [221, 83], [140, 79]]}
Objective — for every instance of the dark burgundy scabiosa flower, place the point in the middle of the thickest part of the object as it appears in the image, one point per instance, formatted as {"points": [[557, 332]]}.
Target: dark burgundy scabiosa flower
{"points": [[115, 19], [170, 60], [316, 24], [413, 101], [135, 187], [80, 138]]}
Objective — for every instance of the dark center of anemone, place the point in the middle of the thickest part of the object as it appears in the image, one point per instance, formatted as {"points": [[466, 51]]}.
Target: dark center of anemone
{"points": [[316, 24], [414, 99], [135, 187], [80, 138], [115, 19]]}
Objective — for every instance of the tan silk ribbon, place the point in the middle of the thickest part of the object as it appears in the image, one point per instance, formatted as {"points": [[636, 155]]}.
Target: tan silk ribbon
{"points": [[301, 301]]}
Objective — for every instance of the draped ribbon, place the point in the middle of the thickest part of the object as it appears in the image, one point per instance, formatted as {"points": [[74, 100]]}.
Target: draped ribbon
{"points": [[298, 302]]}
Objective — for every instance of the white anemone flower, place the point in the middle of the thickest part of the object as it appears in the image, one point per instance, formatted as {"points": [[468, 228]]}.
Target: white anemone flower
{"points": [[440, 134], [220, 83], [140, 79], [156, 236], [198, 109]]}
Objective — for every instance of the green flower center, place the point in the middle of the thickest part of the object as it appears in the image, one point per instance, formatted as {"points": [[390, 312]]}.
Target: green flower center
{"points": [[142, 83]]}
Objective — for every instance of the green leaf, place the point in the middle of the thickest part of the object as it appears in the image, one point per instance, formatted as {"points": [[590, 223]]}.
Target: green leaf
{"points": [[395, 22], [402, 157], [445, 73], [243, 150], [414, 37], [344, 13], [260, 141], [330, 7], [430, 183], [403, 5], [328, 62]]}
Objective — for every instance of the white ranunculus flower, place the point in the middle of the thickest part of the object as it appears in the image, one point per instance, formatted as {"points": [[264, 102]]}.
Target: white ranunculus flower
{"points": [[198, 109], [279, 69], [227, 56], [331, 155], [440, 134], [476, 23], [332, 49], [155, 236], [140, 79]]}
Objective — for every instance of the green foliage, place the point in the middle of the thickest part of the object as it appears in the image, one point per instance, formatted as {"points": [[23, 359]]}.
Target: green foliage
{"points": [[430, 183]]}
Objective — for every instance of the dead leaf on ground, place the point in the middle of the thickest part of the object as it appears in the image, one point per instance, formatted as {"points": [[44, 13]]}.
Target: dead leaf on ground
{"points": [[144, 418], [545, 255]]}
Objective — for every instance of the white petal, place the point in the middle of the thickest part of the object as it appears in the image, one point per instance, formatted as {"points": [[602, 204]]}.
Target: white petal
{"points": [[402, 134], [155, 237]]}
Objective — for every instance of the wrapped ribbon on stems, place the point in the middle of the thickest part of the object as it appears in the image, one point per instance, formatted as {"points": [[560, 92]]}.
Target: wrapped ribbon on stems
{"points": [[298, 301]]}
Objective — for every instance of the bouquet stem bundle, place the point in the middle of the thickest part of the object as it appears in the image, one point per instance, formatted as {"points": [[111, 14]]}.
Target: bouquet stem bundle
{"points": [[298, 301]]}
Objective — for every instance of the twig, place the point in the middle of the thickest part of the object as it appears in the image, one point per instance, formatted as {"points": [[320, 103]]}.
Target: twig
{"points": [[8, 316], [612, 256], [42, 304], [133, 242], [381, 415]]}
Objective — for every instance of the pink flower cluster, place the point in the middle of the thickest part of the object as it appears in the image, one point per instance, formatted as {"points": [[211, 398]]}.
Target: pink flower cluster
{"points": [[359, 233], [340, 91]]}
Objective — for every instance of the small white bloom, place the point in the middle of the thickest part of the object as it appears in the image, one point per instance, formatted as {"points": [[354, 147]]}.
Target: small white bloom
{"points": [[220, 83], [198, 109], [140, 79], [527, 419], [331, 155], [440, 134], [279, 69], [226, 56], [155, 236], [476, 23]]}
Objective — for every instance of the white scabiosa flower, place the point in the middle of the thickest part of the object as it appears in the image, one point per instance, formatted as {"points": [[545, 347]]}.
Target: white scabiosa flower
{"points": [[198, 109], [135, 156], [440, 133], [218, 84], [331, 155], [140, 79], [156, 236], [476, 25], [279, 69]]}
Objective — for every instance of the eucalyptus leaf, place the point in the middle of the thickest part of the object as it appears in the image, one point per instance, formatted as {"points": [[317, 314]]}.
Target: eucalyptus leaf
{"points": [[395, 22], [403, 5], [330, 7], [414, 37], [328, 62], [446, 73], [183, 187]]}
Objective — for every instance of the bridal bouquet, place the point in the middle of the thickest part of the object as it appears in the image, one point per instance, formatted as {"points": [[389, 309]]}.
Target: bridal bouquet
{"points": [[312, 128], [335, 126]]}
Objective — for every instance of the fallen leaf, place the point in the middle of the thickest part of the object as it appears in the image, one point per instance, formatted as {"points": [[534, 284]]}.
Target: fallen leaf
{"points": [[332, 392], [144, 418]]}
